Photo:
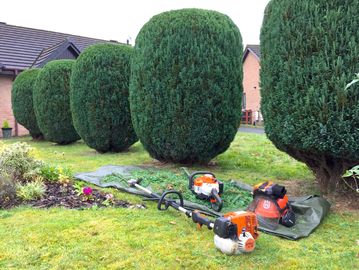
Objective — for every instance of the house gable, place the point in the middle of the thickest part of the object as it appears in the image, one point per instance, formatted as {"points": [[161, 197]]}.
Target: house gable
{"points": [[20, 46], [63, 50], [252, 49]]}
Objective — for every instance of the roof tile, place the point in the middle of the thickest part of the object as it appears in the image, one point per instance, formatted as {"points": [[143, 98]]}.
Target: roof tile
{"points": [[21, 46], [254, 49]]}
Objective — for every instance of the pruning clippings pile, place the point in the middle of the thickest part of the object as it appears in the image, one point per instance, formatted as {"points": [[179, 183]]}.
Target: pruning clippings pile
{"points": [[233, 197]]}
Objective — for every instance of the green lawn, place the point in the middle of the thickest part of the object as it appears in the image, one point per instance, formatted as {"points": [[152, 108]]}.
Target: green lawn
{"points": [[148, 239]]}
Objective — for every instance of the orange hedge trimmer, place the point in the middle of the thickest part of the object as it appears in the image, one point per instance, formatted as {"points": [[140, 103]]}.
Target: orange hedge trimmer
{"points": [[205, 186]]}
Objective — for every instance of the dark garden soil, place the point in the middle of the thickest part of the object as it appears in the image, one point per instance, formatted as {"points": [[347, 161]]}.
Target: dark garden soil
{"points": [[10, 203], [297, 188], [344, 202], [340, 202], [65, 195]]}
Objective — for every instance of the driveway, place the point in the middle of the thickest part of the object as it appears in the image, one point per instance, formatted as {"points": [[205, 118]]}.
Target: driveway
{"points": [[257, 130]]}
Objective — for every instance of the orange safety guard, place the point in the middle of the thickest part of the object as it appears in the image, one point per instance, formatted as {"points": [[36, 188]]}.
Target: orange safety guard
{"points": [[267, 208]]}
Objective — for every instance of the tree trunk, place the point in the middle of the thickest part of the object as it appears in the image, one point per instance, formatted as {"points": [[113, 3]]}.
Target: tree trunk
{"points": [[329, 176], [38, 137], [327, 170]]}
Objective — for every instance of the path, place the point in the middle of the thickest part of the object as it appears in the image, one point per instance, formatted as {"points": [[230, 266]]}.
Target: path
{"points": [[257, 130]]}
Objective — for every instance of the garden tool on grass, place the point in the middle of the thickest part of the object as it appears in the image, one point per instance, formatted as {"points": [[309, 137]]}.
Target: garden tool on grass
{"points": [[270, 204], [206, 187], [235, 232]]}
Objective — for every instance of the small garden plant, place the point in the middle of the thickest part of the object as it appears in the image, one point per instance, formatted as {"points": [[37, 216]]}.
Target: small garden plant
{"points": [[5, 124], [351, 178], [31, 190], [7, 191], [26, 179], [19, 161]]}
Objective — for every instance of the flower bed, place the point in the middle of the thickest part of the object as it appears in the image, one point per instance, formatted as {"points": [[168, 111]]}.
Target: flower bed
{"points": [[66, 195], [26, 180]]}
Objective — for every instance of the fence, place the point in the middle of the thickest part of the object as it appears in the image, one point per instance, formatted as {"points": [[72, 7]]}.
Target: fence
{"points": [[247, 117]]}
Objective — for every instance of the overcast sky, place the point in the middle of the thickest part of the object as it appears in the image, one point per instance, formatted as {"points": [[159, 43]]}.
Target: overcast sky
{"points": [[120, 20]]}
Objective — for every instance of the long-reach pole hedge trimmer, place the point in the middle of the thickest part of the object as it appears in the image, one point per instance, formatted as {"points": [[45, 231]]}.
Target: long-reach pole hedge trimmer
{"points": [[235, 232]]}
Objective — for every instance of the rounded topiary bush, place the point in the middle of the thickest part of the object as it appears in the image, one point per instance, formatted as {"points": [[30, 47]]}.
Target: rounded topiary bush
{"points": [[21, 99], [52, 102], [309, 53], [186, 85], [99, 97]]}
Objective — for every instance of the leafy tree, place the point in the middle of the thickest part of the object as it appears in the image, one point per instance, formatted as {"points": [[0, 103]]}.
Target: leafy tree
{"points": [[21, 99], [186, 85], [51, 99], [309, 54], [99, 97]]}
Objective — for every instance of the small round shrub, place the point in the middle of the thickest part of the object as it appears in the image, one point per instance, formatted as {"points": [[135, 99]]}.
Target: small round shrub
{"points": [[99, 97], [30, 191], [18, 160], [186, 85], [52, 102], [22, 104]]}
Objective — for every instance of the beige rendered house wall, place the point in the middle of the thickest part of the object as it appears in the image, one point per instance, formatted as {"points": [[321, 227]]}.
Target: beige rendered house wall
{"points": [[5, 106], [251, 67]]}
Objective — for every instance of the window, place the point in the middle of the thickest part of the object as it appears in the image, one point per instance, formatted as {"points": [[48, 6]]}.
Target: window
{"points": [[244, 101]]}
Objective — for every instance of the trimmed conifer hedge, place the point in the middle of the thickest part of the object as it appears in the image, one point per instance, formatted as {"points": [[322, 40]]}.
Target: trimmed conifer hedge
{"points": [[99, 97], [21, 100], [186, 85], [309, 53], [51, 99]]}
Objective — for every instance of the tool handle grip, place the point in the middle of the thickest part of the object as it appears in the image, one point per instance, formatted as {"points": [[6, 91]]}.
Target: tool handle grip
{"points": [[218, 202], [201, 220], [168, 202]]}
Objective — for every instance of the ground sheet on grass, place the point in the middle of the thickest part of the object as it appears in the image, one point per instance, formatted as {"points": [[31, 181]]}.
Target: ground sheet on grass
{"points": [[234, 197], [309, 210]]}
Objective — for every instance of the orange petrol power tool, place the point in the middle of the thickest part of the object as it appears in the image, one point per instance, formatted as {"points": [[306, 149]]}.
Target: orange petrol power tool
{"points": [[235, 232], [206, 187]]}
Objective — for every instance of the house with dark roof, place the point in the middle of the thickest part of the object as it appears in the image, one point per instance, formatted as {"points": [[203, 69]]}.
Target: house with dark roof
{"points": [[251, 87], [22, 48]]}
